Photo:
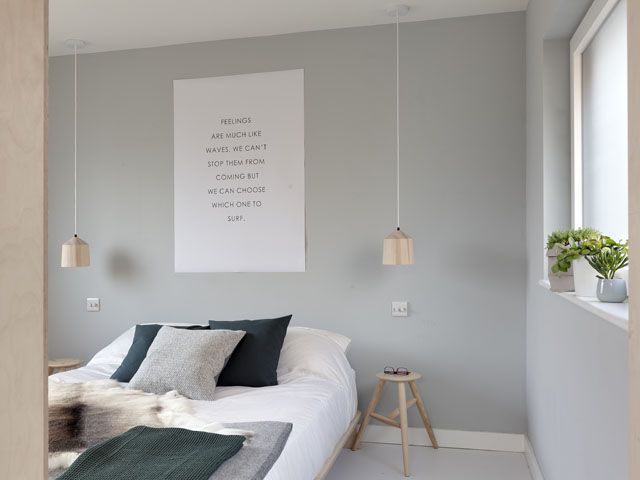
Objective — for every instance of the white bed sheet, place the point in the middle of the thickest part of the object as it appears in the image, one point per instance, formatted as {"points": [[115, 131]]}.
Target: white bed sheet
{"points": [[320, 410]]}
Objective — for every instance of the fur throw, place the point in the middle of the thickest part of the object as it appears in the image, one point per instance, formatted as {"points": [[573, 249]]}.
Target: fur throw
{"points": [[84, 414]]}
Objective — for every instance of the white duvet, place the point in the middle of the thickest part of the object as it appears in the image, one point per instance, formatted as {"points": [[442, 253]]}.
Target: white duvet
{"points": [[316, 393]]}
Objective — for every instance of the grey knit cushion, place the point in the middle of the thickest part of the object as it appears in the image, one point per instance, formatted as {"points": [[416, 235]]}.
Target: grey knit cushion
{"points": [[187, 361]]}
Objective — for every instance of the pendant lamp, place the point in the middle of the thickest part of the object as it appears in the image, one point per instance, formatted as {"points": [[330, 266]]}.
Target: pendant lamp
{"points": [[397, 246], [75, 251]]}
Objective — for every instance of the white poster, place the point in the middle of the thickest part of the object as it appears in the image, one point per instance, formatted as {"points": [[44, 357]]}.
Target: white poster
{"points": [[239, 173]]}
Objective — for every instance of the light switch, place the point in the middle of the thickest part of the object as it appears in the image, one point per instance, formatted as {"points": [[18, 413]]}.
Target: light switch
{"points": [[399, 309], [93, 304]]}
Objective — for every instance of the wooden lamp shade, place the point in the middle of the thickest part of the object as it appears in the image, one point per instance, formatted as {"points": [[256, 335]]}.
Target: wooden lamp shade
{"points": [[398, 249], [75, 253]]}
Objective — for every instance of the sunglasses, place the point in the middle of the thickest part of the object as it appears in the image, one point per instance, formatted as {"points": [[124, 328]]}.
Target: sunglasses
{"points": [[396, 371]]}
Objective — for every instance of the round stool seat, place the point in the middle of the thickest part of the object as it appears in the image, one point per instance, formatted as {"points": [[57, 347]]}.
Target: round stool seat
{"points": [[65, 363], [390, 377]]}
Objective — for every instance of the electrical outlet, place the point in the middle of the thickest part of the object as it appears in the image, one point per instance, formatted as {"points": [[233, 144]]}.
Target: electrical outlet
{"points": [[93, 304], [399, 309]]}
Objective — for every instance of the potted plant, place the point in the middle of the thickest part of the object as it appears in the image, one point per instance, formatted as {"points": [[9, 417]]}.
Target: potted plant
{"points": [[612, 257], [573, 256], [562, 279]]}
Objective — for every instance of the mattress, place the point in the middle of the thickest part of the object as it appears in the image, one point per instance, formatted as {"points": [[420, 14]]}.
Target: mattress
{"points": [[319, 407]]}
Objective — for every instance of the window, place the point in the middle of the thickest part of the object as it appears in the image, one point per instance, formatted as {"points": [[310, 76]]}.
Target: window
{"points": [[599, 119]]}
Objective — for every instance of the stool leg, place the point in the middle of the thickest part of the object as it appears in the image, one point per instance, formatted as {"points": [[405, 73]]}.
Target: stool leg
{"points": [[404, 428], [367, 416], [423, 413]]}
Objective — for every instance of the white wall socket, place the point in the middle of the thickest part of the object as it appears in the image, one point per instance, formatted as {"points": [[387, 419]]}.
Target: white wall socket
{"points": [[399, 309], [93, 304]]}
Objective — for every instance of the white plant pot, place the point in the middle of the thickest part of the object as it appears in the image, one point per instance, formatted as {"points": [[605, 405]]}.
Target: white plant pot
{"points": [[584, 278]]}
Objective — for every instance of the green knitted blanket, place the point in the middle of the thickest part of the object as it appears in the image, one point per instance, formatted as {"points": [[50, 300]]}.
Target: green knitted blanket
{"points": [[145, 453]]}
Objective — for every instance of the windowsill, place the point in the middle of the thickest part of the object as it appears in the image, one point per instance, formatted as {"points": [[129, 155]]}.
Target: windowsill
{"points": [[615, 313]]}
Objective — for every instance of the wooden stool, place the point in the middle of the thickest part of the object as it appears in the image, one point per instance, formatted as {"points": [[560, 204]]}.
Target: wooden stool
{"points": [[63, 364], [403, 405]]}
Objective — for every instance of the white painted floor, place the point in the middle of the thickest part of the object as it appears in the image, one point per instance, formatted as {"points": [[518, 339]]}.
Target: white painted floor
{"points": [[376, 460]]}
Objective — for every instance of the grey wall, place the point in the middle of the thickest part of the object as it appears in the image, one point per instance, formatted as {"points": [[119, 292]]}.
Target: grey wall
{"points": [[576, 362], [463, 180], [556, 138]]}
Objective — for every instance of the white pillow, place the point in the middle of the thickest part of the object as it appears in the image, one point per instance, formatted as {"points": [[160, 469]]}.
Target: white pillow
{"points": [[342, 341], [115, 352], [316, 353]]}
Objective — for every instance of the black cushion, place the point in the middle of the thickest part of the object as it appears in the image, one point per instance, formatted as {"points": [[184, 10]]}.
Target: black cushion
{"points": [[255, 360], [142, 340]]}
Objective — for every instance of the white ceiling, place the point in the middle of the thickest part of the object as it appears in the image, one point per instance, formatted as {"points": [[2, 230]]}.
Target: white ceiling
{"points": [[124, 24]]}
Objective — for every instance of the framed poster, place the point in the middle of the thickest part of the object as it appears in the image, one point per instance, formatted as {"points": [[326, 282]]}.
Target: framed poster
{"points": [[239, 203]]}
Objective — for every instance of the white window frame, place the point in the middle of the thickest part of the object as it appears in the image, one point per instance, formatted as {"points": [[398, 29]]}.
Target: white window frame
{"points": [[591, 23]]}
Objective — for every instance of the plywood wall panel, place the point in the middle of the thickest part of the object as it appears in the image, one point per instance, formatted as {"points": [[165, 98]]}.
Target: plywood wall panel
{"points": [[23, 87], [634, 236]]}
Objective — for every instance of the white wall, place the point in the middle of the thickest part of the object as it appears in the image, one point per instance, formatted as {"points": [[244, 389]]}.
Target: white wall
{"points": [[576, 362]]}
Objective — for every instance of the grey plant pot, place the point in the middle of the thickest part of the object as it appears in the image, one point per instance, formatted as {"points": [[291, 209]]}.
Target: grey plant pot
{"points": [[612, 290], [561, 281]]}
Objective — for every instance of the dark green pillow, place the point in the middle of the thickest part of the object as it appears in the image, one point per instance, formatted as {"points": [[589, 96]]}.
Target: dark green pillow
{"points": [[255, 360], [142, 340]]}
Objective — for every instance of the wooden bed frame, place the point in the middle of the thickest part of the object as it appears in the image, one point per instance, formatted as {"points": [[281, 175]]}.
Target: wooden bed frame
{"points": [[345, 442]]}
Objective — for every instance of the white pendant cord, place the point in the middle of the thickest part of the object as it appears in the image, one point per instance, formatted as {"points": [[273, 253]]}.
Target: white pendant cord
{"points": [[75, 139], [398, 116]]}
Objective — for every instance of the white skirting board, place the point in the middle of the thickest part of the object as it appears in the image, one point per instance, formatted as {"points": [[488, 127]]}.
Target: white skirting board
{"points": [[500, 442], [530, 455]]}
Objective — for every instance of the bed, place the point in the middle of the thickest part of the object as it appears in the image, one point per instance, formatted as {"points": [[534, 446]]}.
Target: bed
{"points": [[316, 393]]}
